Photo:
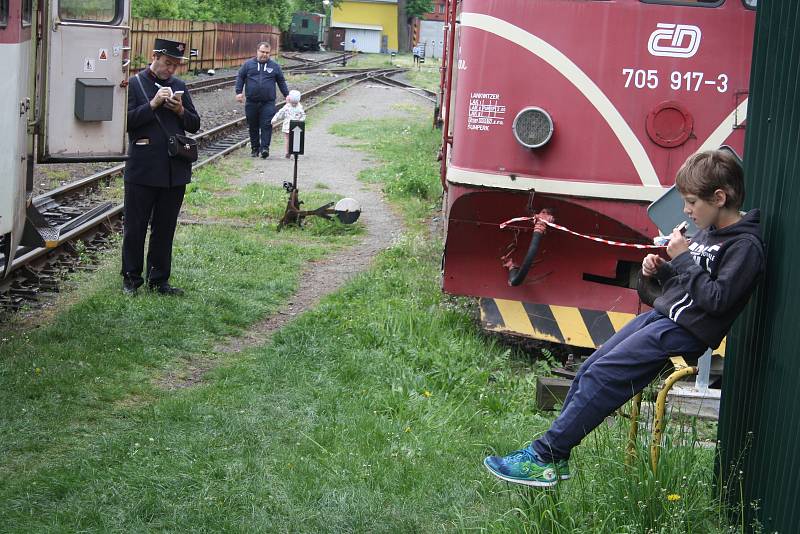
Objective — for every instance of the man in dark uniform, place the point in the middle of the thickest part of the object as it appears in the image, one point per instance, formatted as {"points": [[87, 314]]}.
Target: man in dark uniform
{"points": [[257, 78], [154, 181]]}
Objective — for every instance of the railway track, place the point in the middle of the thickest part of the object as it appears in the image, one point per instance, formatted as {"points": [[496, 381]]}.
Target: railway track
{"points": [[419, 91], [82, 216], [307, 66]]}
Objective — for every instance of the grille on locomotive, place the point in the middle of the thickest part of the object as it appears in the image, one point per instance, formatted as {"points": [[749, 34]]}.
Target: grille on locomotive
{"points": [[533, 127]]}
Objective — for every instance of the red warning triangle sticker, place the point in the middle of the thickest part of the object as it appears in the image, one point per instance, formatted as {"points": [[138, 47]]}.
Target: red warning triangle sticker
{"points": [[103, 54]]}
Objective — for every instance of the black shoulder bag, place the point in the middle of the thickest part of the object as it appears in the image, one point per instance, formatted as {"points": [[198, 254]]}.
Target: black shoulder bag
{"points": [[179, 146]]}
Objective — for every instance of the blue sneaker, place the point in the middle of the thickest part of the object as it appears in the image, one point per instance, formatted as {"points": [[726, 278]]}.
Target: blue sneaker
{"points": [[523, 467]]}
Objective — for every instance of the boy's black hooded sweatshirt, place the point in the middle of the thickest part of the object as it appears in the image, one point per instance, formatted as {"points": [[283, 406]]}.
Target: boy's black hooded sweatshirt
{"points": [[705, 288]]}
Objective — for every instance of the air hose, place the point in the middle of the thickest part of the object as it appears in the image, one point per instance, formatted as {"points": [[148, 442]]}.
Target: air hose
{"points": [[517, 275]]}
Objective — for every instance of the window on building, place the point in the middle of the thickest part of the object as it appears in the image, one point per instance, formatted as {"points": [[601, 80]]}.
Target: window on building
{"points": [[27, 12], [696, 3], [3, 13], [98, 11], [304, 23], [441, 8]]}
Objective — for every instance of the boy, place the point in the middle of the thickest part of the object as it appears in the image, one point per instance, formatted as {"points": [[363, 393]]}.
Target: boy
{"points": [[705, 285]]}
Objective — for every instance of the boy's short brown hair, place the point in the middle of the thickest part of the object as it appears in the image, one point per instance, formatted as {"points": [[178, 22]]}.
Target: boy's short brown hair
{"points": [[705, 172]]}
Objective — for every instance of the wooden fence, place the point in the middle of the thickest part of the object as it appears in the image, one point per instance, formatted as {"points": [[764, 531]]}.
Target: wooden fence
{"points": [[218, 44]]}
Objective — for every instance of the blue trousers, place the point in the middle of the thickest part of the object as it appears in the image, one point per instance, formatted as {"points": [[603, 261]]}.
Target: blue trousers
{"points": [[616, 371], [259, 116]]}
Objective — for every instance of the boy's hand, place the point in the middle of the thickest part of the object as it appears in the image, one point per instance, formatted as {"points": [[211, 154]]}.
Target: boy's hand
{"points": [[651, 263], [677, 244], [240, 98]]}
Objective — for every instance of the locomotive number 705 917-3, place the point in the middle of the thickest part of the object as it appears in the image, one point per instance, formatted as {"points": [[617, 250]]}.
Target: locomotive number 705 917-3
{"points": [[678, 81]]}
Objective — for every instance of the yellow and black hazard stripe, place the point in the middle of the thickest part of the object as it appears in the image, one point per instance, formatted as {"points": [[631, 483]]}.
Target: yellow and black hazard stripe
{"points": [[559, 324]]}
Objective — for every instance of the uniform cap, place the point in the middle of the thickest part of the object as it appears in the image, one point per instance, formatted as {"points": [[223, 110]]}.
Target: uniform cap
{"points": [[170, 48]]}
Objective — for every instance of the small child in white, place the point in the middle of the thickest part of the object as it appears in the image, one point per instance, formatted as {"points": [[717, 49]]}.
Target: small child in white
{"points": [[291, 111]]}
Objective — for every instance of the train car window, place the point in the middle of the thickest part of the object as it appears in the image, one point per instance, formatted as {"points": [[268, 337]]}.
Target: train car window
{"points": [[305, 23], [97, 11], [27, 12], [3, 13], [695, 3], [750, 4]]}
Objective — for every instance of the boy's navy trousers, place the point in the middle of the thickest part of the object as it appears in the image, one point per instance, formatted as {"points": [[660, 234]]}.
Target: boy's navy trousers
{"points": [[259, 121], [616, 371]]}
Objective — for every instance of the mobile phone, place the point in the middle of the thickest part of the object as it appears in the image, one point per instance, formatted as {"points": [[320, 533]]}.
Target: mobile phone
{"points": [[682, 227], [177, 93]]}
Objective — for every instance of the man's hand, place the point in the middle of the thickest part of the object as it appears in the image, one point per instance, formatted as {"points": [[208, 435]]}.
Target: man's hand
{"points": [[162, 95], [677, 244], [175, 104], [240, 98], [651, 263]]}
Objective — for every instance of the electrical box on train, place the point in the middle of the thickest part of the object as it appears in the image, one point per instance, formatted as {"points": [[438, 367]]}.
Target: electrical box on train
{"points": [[84, 69]]}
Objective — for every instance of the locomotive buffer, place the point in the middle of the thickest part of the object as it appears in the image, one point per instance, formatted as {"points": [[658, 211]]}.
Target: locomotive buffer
{"points": [[347, 210]]}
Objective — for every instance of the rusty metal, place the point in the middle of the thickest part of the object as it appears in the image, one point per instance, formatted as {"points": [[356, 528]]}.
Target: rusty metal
{"points": [[293, 213]]}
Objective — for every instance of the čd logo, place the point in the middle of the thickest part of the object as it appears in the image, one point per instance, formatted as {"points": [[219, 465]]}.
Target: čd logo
{"points": [[674, 40]]}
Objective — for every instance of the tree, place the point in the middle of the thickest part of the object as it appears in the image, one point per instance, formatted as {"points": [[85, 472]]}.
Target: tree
{"points": [[275, 12], [314, 6], [407, 11], [417, 8]]}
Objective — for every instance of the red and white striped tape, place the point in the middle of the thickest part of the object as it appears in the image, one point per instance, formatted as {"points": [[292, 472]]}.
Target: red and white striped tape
{"points": [[592, 238]]}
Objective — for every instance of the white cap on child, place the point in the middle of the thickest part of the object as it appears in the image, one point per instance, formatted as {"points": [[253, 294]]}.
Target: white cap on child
{"points": [[294, 96]]}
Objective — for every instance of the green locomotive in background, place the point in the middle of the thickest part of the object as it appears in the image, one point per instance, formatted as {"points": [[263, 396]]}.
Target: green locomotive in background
{"points": [[306, 32]]}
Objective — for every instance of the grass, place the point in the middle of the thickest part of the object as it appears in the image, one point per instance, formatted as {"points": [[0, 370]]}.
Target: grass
{"points": [[370, 413], [52, 178], [212, 196], [409, 171]]}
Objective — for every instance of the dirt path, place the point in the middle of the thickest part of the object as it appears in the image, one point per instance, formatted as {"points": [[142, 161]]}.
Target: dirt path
{"points": [[327, 160]]}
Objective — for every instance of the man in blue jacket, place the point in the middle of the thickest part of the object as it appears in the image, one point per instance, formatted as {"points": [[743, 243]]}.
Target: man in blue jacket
{"points": [[158, 105], [256, 83]]}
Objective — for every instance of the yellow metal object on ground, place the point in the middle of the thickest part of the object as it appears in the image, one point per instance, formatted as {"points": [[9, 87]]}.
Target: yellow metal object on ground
{"points": [[630, 449], [661, 408]]}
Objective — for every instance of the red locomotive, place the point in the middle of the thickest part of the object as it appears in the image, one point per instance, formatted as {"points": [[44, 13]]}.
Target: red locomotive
{"points": [[583, 110]]}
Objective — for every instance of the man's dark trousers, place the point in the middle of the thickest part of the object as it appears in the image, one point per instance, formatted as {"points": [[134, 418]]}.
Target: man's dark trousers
{"points": [[158, 206], [616, 371], [259, 116]]}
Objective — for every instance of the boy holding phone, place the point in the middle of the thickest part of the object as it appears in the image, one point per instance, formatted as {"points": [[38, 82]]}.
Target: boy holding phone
{"points": [[704, 286]]}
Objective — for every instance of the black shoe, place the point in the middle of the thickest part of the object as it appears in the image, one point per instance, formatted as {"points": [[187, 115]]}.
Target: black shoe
{"points": [[166, 289], [130, 284], [254, 154], [265, 153], [129, 291]]}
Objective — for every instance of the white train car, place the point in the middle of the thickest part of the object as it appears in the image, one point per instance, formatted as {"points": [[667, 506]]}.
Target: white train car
{"points": [[63, 95]]}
